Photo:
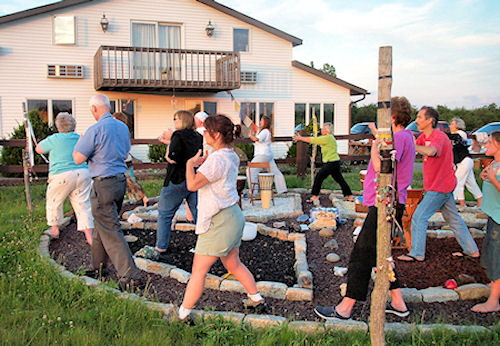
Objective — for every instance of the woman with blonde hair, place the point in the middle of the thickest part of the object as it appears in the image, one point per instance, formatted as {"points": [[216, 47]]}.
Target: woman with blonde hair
{"points": [[66, 179], [220, 220], [184, 144], [331, 162]]}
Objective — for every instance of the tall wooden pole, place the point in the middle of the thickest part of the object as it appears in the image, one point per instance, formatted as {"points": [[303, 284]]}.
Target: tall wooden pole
{"points": [[384, 261], [26, 157]]}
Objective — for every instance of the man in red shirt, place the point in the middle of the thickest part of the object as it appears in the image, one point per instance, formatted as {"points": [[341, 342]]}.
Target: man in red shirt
{"points": [[439, 183]]}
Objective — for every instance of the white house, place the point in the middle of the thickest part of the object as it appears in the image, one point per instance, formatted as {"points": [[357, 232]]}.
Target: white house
{"points": [[153, 57]]}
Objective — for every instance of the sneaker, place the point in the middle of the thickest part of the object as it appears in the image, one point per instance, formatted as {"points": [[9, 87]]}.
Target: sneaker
{"points": [[249, 303], [258, 307], [328, 313], [390, 310]]}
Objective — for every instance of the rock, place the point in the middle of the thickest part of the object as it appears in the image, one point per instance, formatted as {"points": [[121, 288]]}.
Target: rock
{"points": [[356, 231], [148, 252], [324, 222], [281, 224], [343, 289], [473, 291], [476, 233], [296, 227], [134, 219], [464, 279], [438, 294], [130, 238], [339, 271], [332, 257], [300, 294], [326, 233], [332, 244]]}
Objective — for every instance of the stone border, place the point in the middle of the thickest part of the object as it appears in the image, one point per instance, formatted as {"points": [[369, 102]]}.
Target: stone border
{"points": [[256, 321], [301, 291]]}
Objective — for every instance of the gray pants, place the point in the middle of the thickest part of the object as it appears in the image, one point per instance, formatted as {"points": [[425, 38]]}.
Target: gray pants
{"points": [[106, 199]]}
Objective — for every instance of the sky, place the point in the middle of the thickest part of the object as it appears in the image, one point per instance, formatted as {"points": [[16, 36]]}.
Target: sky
{"points": [[444, 52]]}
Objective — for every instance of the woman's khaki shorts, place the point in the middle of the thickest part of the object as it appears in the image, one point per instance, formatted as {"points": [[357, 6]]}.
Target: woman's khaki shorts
{"points": [[224, 233]]}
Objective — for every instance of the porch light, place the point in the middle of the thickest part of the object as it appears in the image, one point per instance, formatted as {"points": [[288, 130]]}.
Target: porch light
{"points": [[104, 23], [210, 29]]}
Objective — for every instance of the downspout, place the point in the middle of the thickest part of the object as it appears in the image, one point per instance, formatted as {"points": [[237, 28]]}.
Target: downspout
{"points": [[354, 102]]}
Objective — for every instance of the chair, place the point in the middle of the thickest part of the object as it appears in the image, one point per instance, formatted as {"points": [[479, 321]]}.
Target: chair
{"points": [[254, 185]]}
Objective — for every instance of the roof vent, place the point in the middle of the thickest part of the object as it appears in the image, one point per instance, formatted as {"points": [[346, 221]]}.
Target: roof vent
{"points": [[65, 71], [248, 77]]}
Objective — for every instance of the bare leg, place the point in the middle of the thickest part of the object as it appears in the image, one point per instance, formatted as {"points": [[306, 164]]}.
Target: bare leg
{"points": [[145, 200], [88, 235], [194, 289], [479, 202], [344, 308], [233, 264], [491, 305], [397, 301]]}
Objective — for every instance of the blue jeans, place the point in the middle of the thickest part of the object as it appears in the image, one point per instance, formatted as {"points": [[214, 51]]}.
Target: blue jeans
{"points": [[171, 198], [431, 203]]}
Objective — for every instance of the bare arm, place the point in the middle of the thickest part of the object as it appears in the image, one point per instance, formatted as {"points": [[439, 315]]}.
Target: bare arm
{"points": [[195, 180], [39, 149], [302, 138], [375, 156], [426, 150], [79, 157]]}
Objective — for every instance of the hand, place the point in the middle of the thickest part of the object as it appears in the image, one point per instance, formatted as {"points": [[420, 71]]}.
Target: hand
{"points": [[196, 160], [166, 136], [484, 174], [297, 138], [169, 160], [492, 173]]}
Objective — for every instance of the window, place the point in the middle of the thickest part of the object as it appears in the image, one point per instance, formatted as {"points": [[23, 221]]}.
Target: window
{"points": [[156, 35], [127, 107], [328, 113], [64, 29], [48, 109], [210, 107], [240, 40], [300, 114]]}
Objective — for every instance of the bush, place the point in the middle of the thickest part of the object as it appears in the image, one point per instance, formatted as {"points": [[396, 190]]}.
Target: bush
{"points": [[247, 148], [13, 155], [157, 153]]}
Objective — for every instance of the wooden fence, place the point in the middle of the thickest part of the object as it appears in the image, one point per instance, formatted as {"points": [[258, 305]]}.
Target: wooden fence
{"points": [[302, 160]]}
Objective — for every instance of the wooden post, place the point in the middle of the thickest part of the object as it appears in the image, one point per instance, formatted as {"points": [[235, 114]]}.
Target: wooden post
{"points": [[384, 265], [26, 157], [301, 158], [315, 146]]}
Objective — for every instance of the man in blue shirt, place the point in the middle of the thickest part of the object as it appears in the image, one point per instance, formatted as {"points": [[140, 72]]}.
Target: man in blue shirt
{"points": [[105, 146]]}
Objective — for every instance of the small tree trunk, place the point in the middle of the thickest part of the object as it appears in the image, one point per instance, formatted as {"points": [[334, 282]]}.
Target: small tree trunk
{"points": [[379, 294]]}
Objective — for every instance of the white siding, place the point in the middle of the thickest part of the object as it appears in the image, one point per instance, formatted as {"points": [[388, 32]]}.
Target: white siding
{"points": [[27, 48]]}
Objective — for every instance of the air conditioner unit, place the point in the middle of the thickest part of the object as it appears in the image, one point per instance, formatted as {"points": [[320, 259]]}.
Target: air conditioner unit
{"points": [[248, 77], [65, 71]]}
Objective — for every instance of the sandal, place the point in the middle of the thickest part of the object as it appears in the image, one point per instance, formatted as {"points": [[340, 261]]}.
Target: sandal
{"points": [[460, 254], [312, 200], [410, 258]]}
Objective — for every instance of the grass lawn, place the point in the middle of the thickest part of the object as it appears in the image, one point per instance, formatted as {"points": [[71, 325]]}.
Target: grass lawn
{"points": [[40, 307]]}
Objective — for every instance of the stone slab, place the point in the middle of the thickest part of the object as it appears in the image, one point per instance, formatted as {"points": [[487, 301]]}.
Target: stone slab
{"points": [[300, 294], [473, 291], [235, 317], [308, 327], [232, 285], [438, 294], [346, 325], [263, 321], [180, 275], [272, 289]]}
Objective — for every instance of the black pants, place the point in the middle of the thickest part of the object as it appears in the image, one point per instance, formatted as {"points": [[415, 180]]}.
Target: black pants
{"points": [[330, 168], [106, 199], [364, 256]]}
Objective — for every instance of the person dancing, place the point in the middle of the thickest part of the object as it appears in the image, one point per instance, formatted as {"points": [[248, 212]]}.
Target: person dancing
{"points": [[263, 153], [220, 220], [331, 162], [364, 255]]}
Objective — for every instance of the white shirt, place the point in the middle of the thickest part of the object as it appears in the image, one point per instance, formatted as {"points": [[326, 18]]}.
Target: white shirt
{"points": [[221, 170], [263, 145]]}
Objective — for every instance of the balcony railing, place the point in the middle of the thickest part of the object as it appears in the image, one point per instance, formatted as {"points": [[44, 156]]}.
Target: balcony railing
{"points": [[158, 69]]}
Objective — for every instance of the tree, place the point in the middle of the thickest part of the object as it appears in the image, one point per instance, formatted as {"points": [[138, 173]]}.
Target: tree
{"points": [[330, 69], [366, 113]]}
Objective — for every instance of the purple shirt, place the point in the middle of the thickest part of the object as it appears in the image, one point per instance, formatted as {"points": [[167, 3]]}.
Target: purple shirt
{"points": [[405, 157]]}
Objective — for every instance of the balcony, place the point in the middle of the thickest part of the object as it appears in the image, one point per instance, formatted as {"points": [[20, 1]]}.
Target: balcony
{"points": [[137, 69]]}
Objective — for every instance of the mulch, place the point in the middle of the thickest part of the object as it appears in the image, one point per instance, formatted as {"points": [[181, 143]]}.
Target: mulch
{"points": [[270, 259]]}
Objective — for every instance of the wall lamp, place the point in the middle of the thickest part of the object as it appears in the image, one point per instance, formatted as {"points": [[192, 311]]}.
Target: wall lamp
{"points": [[210, 29], [104, 23]]}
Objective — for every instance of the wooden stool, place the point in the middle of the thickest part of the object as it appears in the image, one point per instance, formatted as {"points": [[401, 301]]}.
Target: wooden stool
{"points": [[414, 198]]}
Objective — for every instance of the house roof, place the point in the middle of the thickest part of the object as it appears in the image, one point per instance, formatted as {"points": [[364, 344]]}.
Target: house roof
{"points": [[355, 90], [224, 9]]}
